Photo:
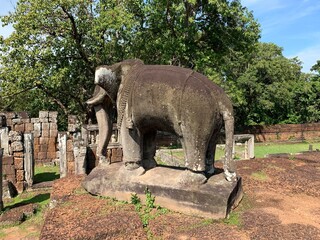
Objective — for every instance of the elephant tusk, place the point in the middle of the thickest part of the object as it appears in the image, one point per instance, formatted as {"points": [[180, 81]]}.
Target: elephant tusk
{"points": [[98, 96]]}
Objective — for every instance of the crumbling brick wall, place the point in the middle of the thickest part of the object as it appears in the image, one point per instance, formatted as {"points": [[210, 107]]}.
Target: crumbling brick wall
{"points": [[285, 132], [44, 129]]}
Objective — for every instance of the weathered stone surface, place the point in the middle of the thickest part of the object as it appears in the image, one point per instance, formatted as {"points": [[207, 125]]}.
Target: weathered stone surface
{"points": [[8, 170], [62, 139], [42, 155], [43, 114], [17, 146], [4, 140], [8, 189], [214, 199], [35, 120], [29, 158], [1, 184], [37, 129], [29, 127], [7, 160], [15, 136], [19, 127], [18, 163], [19, 175], [80, 159]]}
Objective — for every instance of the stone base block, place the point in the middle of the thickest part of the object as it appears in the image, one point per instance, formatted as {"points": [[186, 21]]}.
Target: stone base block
{"points": [[214, 199]]}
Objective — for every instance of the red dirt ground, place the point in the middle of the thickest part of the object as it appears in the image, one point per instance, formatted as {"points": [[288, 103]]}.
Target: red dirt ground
{"points": [[281, 201]]}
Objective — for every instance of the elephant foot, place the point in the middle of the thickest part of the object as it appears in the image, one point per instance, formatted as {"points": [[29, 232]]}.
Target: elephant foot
{"points": [[189, 178], [230, 176], [210, 170], [134, 169], [149, 163], [103, 161]]}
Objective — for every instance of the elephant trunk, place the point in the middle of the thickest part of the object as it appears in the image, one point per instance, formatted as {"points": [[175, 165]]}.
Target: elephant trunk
{"points": [[103, 108], [229, 163], [105, 130]]}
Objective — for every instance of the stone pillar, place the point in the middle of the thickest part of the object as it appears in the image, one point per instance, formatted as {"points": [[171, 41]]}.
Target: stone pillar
{"points": [[251, 147], [28, 158], [80, 159], [1, 202], [62, 138], [4, 140]]}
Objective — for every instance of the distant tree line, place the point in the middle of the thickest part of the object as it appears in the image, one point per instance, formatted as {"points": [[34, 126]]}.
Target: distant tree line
{"points": [[48, 61]]}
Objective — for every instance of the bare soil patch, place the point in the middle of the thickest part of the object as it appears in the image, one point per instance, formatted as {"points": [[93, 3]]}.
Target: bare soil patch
{"points": [[281, 201]]}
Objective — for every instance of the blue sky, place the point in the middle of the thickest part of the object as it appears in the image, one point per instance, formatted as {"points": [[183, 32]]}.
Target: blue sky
{"points": [[293, 25]]}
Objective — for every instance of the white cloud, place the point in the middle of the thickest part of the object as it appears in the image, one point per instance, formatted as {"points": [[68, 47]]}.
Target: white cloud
{"points": [[309, 56]]}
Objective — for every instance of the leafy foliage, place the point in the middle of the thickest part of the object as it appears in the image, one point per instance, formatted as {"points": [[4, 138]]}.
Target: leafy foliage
{"points": [[48, 62]]}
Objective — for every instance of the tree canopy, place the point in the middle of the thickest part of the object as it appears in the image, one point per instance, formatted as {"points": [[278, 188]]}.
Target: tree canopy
{"points": [[48, 61]]}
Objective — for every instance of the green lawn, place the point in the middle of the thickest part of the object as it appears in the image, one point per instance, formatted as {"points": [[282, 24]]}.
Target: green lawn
{"points": [[46, 173], [261, 149]]}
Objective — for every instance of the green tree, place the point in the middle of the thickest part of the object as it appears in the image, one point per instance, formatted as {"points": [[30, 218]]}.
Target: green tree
{"points": [[48, 62], [265, 90]]}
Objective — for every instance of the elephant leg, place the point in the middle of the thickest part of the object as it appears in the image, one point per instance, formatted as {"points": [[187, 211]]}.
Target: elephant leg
{"points": [[210, 154], [195, 152], [132, 147], [149, 150]]}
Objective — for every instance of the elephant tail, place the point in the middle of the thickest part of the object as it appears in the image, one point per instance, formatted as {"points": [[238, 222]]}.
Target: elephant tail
{"points": [[229, 163]]}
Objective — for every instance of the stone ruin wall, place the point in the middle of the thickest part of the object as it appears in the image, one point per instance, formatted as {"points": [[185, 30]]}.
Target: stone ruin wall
{"points": [[13, 128], [286, 132]]}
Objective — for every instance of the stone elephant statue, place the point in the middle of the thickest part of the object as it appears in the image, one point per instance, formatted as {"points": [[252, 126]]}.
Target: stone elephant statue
{"points": [[166, 98]]}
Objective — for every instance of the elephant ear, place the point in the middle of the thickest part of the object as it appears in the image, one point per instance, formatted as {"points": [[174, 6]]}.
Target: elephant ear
{"points": [[108, 78], [127, 65]]}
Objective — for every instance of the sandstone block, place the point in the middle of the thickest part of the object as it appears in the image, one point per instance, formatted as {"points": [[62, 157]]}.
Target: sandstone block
{"points": [[7, 160], [43, 148], [69, 145], [15, 136], [37, 130], [18, 154], [53, 133], [25, 120], [17, 146], [36, 140], [45, 126], [52, 147], [51, 155], [53, 126], [43, 114], [35, 120], [23, 115], [28, 127], [70, 167], [10, 177], [42, 155], [11, 115], [45, 133], [44, 140], [70, 156], [8, 170], [18, 163], [19, 186], [16, 121]]}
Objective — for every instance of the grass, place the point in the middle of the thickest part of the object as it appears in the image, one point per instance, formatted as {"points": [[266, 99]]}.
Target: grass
{"points": [[260, 149], [46, 173], [260, 175], [35, 222]]}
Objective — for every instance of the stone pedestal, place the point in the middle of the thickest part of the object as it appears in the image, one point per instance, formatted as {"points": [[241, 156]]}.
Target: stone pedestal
{"points": [[214, 199]]}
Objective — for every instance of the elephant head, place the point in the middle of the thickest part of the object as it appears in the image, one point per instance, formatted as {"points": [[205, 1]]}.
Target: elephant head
{"points": [[108, 80]]}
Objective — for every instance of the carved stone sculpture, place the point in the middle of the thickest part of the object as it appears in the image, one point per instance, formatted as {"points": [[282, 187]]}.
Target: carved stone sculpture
{"points": [[167, 98]]}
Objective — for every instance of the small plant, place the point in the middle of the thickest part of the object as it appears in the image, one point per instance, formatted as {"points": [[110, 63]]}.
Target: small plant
{"points": [[149, 199], [136, 201], [145, 211]]}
